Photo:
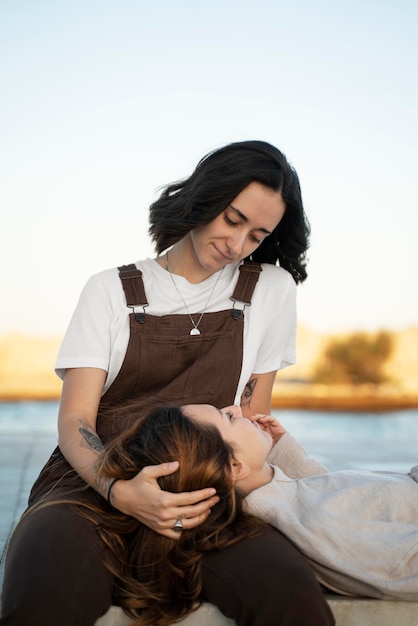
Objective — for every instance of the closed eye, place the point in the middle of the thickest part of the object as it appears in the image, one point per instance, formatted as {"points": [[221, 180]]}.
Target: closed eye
{"points": [[228, 414], [231, 222]]}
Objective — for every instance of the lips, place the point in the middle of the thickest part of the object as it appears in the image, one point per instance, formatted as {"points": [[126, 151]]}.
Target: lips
{"points": [[224, 257]]}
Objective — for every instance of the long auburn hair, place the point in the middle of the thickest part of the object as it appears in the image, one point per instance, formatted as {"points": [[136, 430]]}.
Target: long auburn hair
{"points": [[218, 178], [158, 580]]}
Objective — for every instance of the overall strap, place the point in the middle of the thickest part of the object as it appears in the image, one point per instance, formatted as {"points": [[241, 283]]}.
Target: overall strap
{"points": [[133, 286], [249, 273]]}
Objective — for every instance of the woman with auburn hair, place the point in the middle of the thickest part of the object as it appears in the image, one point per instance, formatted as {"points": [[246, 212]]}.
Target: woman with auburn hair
{"points": [[159, 579], [358, 528], [210, 319]]}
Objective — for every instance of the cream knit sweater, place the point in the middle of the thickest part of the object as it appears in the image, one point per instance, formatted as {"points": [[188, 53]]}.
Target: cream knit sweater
{"points": [[359, 529]]}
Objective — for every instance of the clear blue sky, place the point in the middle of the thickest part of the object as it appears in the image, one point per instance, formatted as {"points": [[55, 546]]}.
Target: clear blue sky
{"points": [[103, 102]]}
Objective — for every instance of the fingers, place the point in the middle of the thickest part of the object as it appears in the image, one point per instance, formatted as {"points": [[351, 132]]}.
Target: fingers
{"points": [[271, 425], [201, 498], [266, 420], [260, 417], [263, 420], [159, 509], [193, 498], [153, 472], [182, 524], [193, 513], [190, 515], [165, 469]]}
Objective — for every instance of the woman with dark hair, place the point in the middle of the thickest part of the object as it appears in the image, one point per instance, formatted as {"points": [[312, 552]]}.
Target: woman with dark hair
{"points": [[217, 180], [210, 320]]}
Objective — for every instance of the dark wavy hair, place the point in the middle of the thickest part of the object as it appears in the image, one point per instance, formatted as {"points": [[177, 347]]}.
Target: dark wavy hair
{"points": [[158, 580], [218, 178]]}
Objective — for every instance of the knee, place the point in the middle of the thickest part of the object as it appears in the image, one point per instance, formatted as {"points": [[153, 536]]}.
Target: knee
{"points": [[53, 561], [264, 581]]}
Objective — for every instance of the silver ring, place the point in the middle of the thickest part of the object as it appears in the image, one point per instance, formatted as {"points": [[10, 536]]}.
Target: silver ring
{"points": [[178, 526]]}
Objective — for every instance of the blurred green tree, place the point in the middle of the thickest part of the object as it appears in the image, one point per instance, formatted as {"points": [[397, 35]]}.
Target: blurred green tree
{"points": [[356, 359]]}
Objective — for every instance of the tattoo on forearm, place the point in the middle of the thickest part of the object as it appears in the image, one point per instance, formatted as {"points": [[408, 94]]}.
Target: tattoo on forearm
{"points": [[90, 438], [248, 392]]}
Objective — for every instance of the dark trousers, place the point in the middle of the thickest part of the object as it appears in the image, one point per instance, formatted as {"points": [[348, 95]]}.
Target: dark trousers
{"points": [[54, 576]]}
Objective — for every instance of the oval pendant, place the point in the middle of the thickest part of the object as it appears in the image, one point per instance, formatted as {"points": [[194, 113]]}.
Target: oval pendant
{"points": [[194, 331]]}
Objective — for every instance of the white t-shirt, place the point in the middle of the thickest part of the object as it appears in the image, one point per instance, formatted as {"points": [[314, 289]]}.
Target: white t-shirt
{"points": [[98, 333]]}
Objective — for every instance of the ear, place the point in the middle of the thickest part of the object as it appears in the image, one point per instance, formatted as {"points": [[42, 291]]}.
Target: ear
{"points": [[239, 470]]}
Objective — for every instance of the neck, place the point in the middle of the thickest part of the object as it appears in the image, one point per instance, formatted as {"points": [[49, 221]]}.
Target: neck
{"points": [[255, 479], [183, 262]]}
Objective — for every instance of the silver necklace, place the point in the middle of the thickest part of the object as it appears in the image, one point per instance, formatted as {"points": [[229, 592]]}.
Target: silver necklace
{"points": [[195, 330]]}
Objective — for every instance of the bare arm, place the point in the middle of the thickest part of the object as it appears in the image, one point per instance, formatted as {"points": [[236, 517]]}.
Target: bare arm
{"points": [[140, 497], [256, 397], [78, 440]]}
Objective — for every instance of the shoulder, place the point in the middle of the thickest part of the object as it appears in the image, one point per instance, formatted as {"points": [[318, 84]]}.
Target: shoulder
{"points": [[107, 283], [276, 274], [276, 281], [104, 281], [109, 278]]}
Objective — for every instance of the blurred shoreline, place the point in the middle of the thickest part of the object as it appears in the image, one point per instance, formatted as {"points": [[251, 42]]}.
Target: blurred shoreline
{"points": [[310, 398], [27, 374], [364, 398]]}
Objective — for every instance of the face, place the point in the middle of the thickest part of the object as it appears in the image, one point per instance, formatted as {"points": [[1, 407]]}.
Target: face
{"points": [[236, 232], [251, 442]]}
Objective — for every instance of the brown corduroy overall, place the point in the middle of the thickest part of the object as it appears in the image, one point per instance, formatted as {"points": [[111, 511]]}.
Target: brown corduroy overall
{"points": [[165, 363], [54, 570]]}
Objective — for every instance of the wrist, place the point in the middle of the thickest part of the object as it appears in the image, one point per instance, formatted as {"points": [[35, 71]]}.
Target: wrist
{"points": [[110, 495], [279, 435]]}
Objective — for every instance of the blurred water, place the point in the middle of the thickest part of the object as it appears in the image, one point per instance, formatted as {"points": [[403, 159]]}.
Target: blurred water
{"points": [[25, 417], [378, 441]]}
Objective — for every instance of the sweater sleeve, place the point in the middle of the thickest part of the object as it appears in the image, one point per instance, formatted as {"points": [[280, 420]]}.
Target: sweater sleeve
{"points": [[293, 459]]}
